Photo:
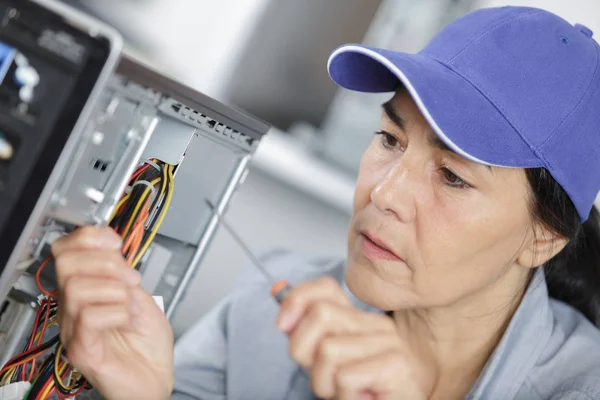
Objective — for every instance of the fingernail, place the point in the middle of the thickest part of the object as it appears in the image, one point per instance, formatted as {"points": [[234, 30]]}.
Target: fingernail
{"points": [[285, 321], [131, 276]]}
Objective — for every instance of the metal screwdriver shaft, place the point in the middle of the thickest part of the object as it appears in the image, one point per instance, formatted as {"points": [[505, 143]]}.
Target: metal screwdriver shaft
{"points": [[280, 287]]}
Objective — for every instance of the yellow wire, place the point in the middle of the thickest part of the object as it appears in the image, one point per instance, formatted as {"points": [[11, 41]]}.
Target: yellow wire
{"points": [[160, 219], [59, 372], [120, 203], [46, 392], [9, 375], [118, 206], [139, 204], [165, 179]]}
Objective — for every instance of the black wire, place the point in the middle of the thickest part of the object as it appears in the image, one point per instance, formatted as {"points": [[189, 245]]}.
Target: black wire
{"points": [[163, 180], [156, 216], [78, 384], [43, 377], [138, 194], [36, 350], [38, 325]]}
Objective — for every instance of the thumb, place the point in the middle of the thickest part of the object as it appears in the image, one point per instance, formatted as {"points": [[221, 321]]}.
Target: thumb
{"points": [[143, 308], [367, 396], [383, 377]]}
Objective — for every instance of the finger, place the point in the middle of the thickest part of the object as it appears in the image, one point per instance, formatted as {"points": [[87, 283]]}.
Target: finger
{"points": [[335, 351], [386, 376], [324, 319], [362, 396], [84, 349], [299, 299], [81, 291], [146, 316], [98, 263], [87, 237]]}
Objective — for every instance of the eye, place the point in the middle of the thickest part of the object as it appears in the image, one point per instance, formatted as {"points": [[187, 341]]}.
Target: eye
{"points": [[387, 140], [453, 180]]}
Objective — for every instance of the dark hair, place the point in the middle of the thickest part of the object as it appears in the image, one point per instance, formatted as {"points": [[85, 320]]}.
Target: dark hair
{"points": [[573, 275]]}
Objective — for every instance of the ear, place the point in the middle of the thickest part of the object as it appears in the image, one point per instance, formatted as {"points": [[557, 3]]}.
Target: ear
{"points": [[543, 245]]}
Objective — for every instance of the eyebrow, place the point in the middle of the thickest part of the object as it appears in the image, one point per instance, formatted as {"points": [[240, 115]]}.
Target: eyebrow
{"points": [[393, 115], [398, 120], [432, 138], [437, 143]]}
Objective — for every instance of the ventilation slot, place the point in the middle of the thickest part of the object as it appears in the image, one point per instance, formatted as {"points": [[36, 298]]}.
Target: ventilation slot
{"points": [[100, 165]]}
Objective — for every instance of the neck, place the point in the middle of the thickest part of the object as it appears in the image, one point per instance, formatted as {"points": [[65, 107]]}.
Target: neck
{"points": [[459, 339]]}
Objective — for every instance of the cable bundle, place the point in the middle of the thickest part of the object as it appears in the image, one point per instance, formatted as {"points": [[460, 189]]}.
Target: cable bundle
{"points": [[51, 375], [15, 370], [142, 208], [137, 218]]}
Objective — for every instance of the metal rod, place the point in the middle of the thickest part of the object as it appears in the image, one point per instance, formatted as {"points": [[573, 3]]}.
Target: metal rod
{"points": [[241, 243], [207, 236]]}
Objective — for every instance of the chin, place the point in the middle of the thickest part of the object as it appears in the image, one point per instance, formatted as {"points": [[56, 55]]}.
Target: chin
{"points": [[372, 289]]}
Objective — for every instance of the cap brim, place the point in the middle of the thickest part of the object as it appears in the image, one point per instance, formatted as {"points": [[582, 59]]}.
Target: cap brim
{"points": [[462, 117]]}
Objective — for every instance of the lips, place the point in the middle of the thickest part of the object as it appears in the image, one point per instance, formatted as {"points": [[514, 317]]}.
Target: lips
{"points": [[376, 249]]}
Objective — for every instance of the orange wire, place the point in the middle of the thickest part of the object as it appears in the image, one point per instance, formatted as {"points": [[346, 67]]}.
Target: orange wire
{"points": [[132, 250], [51, 382], [127, 244], [26, 360], [133, 243], [41, 338], [130, 242], [38, 275], [137, 234]]}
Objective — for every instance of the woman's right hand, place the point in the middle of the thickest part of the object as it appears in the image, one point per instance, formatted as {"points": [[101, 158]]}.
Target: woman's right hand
{"points": [[113, 331]]}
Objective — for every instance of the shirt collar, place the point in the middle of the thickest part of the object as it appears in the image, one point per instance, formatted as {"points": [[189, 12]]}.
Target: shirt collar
{"points": [[520, 347]]}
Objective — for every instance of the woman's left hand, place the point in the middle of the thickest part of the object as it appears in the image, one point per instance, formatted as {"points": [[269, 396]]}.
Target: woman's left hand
{"points": [[349, 354]]}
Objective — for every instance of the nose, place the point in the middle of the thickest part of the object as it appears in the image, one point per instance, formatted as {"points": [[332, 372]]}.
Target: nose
{"points": [[396, 191]]}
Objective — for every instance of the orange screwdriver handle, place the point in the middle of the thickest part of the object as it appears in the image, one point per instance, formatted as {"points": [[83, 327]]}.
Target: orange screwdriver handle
{"points": [[280, 289]]}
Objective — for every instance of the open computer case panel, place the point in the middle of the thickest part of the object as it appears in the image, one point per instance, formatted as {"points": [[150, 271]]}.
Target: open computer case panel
{"points": [[73, 140]]}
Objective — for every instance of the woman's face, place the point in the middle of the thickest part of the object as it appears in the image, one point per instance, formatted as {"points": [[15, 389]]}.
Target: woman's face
{"points": [[431, 228]]}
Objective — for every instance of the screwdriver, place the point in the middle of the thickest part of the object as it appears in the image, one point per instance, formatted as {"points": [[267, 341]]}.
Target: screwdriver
{"points": [[279, 288]]}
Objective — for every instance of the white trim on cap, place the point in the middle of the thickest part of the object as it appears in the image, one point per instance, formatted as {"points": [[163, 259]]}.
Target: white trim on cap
{"points": [[406, 82]]}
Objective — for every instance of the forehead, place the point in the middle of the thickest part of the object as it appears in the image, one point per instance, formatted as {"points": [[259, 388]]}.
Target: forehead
{"points": [[401, 110], [403, 103]]}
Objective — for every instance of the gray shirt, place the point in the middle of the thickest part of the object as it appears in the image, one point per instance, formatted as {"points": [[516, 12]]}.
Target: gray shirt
{"points": [[549, 351]]}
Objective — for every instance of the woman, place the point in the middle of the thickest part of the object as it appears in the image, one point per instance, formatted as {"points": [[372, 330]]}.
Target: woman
{"points": [[473, 206]]}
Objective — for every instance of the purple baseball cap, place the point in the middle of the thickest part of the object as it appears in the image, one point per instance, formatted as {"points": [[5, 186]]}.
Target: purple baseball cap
{"points": [[510, 87]]}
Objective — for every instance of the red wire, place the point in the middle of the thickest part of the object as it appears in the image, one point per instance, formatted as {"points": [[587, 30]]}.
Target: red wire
{"points": [[39, 395], [35, 352], [78, 392], [37, 317], [47, 303], [64, 374], [39, 283], [139, 171]]}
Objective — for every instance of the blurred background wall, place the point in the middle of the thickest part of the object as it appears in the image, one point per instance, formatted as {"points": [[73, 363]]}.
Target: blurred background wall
{"points": [[269, 57]]}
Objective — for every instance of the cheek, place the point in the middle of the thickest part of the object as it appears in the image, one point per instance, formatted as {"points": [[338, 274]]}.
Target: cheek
{"points": [[465, 245]]}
